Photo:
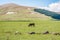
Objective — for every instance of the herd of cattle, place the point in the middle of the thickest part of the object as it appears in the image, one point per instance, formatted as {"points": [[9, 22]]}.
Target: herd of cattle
{"points": [[31, 33], [33, 25]]}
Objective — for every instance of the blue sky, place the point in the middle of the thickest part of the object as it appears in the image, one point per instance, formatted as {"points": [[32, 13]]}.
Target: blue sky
{"points": [[33, 3], [52, 5]]}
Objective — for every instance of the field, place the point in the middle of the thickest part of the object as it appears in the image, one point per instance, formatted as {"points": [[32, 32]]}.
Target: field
{"points": [[40, 27]]}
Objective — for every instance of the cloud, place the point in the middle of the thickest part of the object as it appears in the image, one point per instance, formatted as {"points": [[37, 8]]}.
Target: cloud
{"points": [[53, 7]]}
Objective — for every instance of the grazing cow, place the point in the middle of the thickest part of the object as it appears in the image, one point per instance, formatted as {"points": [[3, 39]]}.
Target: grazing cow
{"points": [[56, 33], [32, 33], [47, 32], [17, 32], [31, 24]]}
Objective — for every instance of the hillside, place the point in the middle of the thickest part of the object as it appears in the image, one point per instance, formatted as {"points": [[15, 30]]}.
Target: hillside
{"points": [[51, 14], [13, 11]]}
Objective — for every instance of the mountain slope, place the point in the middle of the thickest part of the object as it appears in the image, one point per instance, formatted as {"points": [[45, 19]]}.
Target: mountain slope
{"points": [[54, 15], [16, 12]]}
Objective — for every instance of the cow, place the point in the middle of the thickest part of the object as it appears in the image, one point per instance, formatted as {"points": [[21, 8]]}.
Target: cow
{"points": [[47, 32], [32, 33], [56, 33], [31, 25], [17, 32]]}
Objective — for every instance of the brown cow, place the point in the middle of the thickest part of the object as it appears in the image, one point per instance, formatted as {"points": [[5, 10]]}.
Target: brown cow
{"points": [[31, 25], [56, 33]]}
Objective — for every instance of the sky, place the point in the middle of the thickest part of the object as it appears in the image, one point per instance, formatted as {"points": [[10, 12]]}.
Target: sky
{"points": [[45, 4]]}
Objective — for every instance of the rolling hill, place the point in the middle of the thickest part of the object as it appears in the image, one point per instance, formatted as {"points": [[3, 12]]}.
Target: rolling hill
{"points": [[13, 11]]}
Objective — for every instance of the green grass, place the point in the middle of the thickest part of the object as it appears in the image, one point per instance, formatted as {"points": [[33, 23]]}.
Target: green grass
{"points": [[41, 26]]}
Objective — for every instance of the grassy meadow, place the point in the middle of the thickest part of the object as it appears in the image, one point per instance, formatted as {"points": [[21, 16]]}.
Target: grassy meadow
{"points": [[40, 27]]}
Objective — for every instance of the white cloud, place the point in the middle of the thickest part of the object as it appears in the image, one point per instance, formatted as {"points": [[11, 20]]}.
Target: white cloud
{"points": [[53, 7]]}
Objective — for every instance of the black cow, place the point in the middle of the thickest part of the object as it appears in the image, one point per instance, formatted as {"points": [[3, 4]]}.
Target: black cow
{"points": [[47, 32], [31, 24], [32, 33]]}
